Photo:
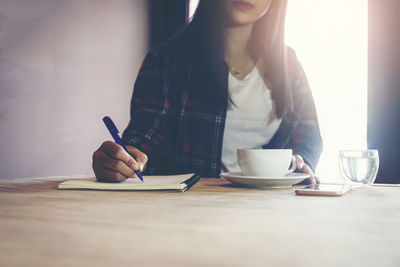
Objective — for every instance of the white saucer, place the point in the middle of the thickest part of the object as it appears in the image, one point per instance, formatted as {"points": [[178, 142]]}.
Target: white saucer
{"points": [[267, 182]]}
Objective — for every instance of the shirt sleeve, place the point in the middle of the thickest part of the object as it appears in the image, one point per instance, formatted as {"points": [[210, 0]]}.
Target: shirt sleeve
{"points": [[152, 113], [306, 140]]}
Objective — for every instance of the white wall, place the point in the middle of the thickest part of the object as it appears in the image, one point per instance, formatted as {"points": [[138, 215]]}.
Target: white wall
{"points": [[64, 65]]}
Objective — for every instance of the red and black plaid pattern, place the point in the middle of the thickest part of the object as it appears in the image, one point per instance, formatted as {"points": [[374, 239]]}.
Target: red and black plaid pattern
{"points": [[182, 133]]}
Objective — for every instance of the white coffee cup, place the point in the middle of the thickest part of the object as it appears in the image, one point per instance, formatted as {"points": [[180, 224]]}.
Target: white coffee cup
{"points": [[266, 162]]}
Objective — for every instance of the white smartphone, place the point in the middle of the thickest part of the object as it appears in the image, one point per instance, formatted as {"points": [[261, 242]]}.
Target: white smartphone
{"points": [[324, 190]]}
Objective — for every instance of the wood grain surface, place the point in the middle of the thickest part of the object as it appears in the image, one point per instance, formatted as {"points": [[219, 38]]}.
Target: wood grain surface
{"points": [[212, 224]]}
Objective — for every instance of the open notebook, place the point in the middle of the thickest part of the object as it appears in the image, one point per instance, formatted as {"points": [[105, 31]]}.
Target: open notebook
{"points": [[180, 182]]}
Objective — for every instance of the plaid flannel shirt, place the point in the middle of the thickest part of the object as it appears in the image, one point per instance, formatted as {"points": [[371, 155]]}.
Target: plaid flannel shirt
{"points": [[183, 134]]}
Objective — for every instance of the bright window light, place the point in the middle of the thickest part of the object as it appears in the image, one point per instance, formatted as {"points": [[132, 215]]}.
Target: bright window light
{"points": [[331, 41], [192, 7], [330, 38]]}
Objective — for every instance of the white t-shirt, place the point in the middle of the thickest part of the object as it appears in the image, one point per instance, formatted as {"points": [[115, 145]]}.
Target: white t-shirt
{"points": [[251, 121]]}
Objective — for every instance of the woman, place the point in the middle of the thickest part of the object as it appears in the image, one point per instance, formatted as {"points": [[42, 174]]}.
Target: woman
{"points": [[226, 81]]}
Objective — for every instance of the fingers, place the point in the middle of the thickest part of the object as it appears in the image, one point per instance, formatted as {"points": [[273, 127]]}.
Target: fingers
{"points": [[106, 168], [304, 168], [117, 152], [111, 163], [299, 161], [109, 176], [119, 166], [140, 157]]}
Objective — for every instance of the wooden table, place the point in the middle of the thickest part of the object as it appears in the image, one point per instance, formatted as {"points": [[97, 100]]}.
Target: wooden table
{"points": [[212, 224]]}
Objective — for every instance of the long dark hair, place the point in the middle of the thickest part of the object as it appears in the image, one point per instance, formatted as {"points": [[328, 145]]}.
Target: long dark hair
{"points": [[209, 69]]}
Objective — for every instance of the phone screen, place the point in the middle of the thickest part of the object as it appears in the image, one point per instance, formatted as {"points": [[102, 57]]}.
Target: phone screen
{"points": [[323, 189], [326, 187]]}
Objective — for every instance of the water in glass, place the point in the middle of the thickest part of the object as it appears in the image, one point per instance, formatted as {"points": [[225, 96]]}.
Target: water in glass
{"points": [[359, 167]]}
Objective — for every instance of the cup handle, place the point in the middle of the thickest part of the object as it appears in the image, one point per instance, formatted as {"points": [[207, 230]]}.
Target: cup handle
{"points": [[293, 165]]}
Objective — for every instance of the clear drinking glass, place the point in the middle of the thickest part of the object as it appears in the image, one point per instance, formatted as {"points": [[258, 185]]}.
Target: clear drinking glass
{"points": [[359, 167]]}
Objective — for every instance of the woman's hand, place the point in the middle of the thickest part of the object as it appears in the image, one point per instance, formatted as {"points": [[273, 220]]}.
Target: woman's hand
{"points": [[111, 163], [304, 168]]}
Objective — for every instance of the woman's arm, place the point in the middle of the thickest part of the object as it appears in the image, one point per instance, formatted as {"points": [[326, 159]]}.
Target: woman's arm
{"points": [[153, 113], [148, 132], [306, 140]]}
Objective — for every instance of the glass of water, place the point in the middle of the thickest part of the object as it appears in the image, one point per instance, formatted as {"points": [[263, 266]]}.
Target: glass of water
{"points": [[359, 167]]}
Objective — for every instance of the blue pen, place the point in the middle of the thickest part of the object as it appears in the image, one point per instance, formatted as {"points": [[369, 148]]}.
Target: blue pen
{"points": [[114, 133]]}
